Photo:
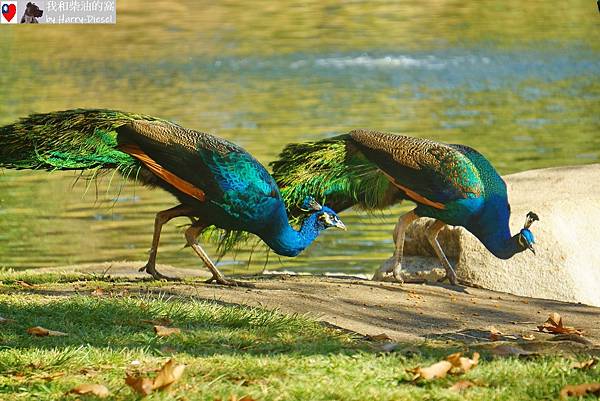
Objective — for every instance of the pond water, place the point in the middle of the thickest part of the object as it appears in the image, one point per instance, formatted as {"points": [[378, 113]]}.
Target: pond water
{"points": [[519, 81]]}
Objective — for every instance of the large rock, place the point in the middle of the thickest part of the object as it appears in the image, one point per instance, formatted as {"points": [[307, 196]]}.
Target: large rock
{"points": [[567, 264]]}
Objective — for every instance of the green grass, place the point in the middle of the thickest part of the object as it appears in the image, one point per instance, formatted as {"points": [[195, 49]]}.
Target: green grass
{"points": [[229, 350]]}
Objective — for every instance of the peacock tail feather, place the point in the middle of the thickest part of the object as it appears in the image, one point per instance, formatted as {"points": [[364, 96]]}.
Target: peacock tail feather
{"points": [[333, 171], [67, 140]]}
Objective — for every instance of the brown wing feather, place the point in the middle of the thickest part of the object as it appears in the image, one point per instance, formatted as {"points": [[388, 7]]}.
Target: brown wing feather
{"points": [[161, 172], [428, 172]]}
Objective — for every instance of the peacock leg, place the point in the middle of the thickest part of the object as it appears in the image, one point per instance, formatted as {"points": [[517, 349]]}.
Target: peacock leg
{"points": [[162, 218], [394, 264], [432, 233], [191, 234]]}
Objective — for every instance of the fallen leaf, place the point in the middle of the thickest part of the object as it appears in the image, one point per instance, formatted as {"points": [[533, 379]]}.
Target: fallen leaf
{"points": [[579, 390], [461, 385], [528, 337], [584, 364], [23, 284], [168, 374], [141, 385], [435, 371], [511, 350], [461, 364], [163, 331], [555, 319], [379, 337], [98, 292], [495, 334], [98, 390], [5, 320], [42, 332], [554, 324]]}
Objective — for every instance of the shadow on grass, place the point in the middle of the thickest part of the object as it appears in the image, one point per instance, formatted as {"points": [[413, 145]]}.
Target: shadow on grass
{"points": [[207, 327]]}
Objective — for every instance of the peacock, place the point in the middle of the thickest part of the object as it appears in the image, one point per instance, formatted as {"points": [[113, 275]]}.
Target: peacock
{"points": [[217, 183], [453, 184]]}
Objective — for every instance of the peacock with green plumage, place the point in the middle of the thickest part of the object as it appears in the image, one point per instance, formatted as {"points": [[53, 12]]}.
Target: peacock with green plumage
{"points": [[217, 183], [453, 184]]}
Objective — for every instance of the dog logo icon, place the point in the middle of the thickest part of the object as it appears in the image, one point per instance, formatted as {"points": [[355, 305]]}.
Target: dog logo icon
{"points": [[32, 13], [9, 11]]}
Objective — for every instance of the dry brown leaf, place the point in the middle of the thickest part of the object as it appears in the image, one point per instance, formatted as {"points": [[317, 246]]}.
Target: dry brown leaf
{"points": [[141, 385], [168, 374], [495, 334], [511, 350], [98, 292], [163, 331], [555, 319], [585, 364], [98, 390], [23, 284], [5, 320], [163, 321], [461, 385], [528, 337], [435, 371], [461, 364], [379, 337], [579, 390], [42, 332], [554, 324]]}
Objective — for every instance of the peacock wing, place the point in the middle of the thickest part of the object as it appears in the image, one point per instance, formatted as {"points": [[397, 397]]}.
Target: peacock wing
{"points": [[428, 172], [224, 172]]}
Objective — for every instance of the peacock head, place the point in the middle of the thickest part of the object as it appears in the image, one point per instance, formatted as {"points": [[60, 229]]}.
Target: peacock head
{"points": [[526, 239], [325, 217]]}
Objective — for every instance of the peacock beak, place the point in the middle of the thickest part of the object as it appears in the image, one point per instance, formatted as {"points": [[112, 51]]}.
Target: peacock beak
{"points": [[531, 248], [340, 225]]}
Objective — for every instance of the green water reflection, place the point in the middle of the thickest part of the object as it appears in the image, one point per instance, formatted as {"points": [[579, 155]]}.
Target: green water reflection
{"points": [[517, 80]]}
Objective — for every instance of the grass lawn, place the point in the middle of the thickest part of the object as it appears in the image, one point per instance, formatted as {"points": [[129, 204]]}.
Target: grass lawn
{"points": [[230, 351]]}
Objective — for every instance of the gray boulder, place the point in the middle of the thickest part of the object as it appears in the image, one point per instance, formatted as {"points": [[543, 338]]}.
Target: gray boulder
{"points": [[567, 264]]}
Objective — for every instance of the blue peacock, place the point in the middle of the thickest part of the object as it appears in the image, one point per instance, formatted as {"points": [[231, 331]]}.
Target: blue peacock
{"points": [[453, 184], [217, 183]]}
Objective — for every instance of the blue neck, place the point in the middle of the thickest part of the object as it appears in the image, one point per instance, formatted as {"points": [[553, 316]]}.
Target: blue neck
{"points": [[285, 241], [501, 244], [491, 228]]}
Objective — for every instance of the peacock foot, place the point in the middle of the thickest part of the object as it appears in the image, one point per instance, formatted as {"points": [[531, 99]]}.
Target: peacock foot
{"points": [[231, 283], [389, 271], [151, 270], [450, 276]]}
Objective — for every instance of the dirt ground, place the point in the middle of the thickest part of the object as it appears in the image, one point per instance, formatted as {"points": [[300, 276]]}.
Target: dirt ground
{"points": [[404, 312]]}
